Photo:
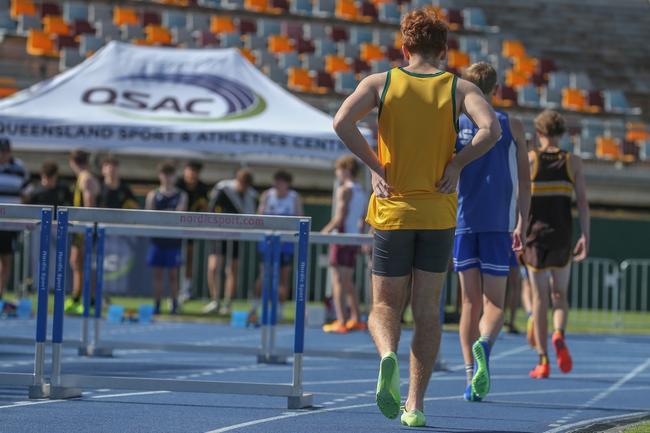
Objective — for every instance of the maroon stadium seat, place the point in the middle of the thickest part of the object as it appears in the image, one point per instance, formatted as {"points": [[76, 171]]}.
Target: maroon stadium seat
{"points": [[369, 10], [394, 54], [50, 9], [247, 26], [507, 93], [304, 45], [150, 18], [206, 37], [595, 101], [360, 66], [455, 18], [323, 79], [292, 29], [280, 6], [81, 27], [452, 43], [538, 79], [339, 33], [65, 42], [545, 65]]}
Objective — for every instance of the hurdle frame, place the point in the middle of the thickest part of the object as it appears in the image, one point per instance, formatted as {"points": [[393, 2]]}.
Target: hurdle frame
{"points": [[68, 386], [24, 217]]}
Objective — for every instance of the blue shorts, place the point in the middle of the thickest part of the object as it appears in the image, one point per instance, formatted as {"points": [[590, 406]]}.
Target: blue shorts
{"points": [[491, 252], [163, 257], [286, 253]]}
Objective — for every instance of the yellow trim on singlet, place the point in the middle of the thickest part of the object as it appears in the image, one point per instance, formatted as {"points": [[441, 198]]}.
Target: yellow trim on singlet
{"points": [[568, 167], [535, 170]]}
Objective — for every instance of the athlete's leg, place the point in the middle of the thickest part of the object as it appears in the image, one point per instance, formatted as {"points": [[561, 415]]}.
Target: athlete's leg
{"points": [[494, 293], [172, 275], [540, 286], [215, 263], [232, 270], [384, 320], [338, 295], [559, 291], [425, 303], [285, 282], [5, 271], [76, 264], [470, 283], [514, 289], [157, 274], [351, 298]]}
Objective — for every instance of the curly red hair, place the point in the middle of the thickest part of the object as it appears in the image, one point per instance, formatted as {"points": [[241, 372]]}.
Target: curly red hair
{"points": [[424, 32]]}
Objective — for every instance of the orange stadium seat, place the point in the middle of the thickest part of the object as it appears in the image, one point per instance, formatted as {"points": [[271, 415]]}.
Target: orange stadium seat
{"points": [[256, 5], [608, 148], [22, 7], [457, 59], [122, 15], [370, 52], [279, 44], [525, 65], [248, 54], [346, 10], [40, 44], [573, 99], [158, 35], [334, 64], [398, 40], [221, 24], [55, 25], [7, 86], [637, 131], [300, 80], [513, 48], [516, 79]]}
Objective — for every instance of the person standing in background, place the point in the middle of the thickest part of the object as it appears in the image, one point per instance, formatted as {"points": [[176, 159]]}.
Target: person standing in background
{"points": [[197, 194], [84, 194], [49, 190], [235, 196], [349, 216], [13, 178], [114, 192], [165, 254]]}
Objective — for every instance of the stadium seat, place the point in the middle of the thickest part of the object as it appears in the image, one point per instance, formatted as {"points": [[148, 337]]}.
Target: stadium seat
{"points": [[637, 131], [268, 27], [263, 57], [528, 96], [197, 21], [49, 9], [345, 49], [324, 8], [221, 24], [608, 148], [580, 80], [232, 4], [615, 101], [389, 13], [40, 44], [360, 35], [246, 26], [513, 48], [259, 6], [234, 40], [289, 60], [181, 36], [130, 32], [595, 102], [324, 47], [158, 35], [545, 66], [304, 46], [394, 54], [525, 65], [300, 80], [312, 62], [292, 30], [558, 80], [346, 10], [475, 57], [73, 11], [334, 64], [344, 82], [27, 23], [538, 79], [206, 38], [360, 66], [7, 25], [516, 79], [63, 41], [457, 59], [383, 38], [339, 33], [22, 7], [454, 18], [88, 44], [370, 52], [279, 44], [173, 19], [7, 86], [70, 57], [254, 42], [125, 16], [314, 31], [469, 44], [210, 3], [644, 150], [279, 7], [630, 151], [148, 17], [301, 7], [248, 54], [107, 31], [550, 98], [275, 73], [55, 25], [81, 27], [506, 97], [474, 19], [100, 12], [379, 66], [368, 12], [324, 82]]}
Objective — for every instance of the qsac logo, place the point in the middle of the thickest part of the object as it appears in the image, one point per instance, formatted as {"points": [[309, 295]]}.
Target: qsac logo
{"points": [[177, 97]]}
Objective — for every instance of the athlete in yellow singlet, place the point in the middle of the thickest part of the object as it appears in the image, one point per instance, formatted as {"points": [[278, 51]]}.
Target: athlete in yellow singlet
{"points": [[413, 208]]}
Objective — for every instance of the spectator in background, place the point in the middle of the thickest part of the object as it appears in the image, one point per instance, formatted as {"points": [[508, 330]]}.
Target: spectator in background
{"points": [[228, 196], [84, 194], [351, 203], [49, 190], [13, 178], [284, 201], [165, 253], [197, 194], [114, 192]]}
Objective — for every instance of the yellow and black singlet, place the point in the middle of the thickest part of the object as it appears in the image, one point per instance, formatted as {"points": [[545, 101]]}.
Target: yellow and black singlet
{"points": [[417, 134]]}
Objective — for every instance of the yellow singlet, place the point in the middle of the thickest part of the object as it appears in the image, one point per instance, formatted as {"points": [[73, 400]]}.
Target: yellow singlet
{"points": [[417, 135]]}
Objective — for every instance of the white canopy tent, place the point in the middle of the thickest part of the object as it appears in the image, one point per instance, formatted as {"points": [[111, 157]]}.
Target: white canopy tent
{"points": [[168, 101]]}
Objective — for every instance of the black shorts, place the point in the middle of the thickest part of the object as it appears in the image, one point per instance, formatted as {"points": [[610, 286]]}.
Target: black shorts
{"points": [[7, 242], [396, 252], [540, 258], [220, 248]]}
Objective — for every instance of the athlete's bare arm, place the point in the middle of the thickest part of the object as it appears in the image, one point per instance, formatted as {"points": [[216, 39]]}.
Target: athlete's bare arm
{"points": [[363, 100], [183, 202], [261, 209], [343, 195], [89, 190], [472, 102], [300, 209], [523, 173], [148, 201], [582, 246]]}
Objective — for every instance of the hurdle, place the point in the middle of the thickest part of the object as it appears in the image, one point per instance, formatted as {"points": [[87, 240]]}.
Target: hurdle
{"points": [[69, 385], [25, 217]]}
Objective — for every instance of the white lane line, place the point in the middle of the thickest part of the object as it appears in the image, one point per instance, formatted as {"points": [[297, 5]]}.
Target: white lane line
{"points": [[130, 394], [569, 427], [363, 405], [29, 403], [603, 394]]}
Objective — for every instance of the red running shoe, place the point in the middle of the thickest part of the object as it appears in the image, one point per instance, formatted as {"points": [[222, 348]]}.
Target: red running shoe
{"points": [[541, 371], [564, 361]]}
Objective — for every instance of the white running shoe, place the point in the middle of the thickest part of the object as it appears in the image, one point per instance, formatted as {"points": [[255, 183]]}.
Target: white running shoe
{"points": [[225, 310], [212, 307]]}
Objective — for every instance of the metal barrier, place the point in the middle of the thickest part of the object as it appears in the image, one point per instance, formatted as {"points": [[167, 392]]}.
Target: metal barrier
{"points": [[595, 290], [219, 225], [635, 284], [22, 217]]}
